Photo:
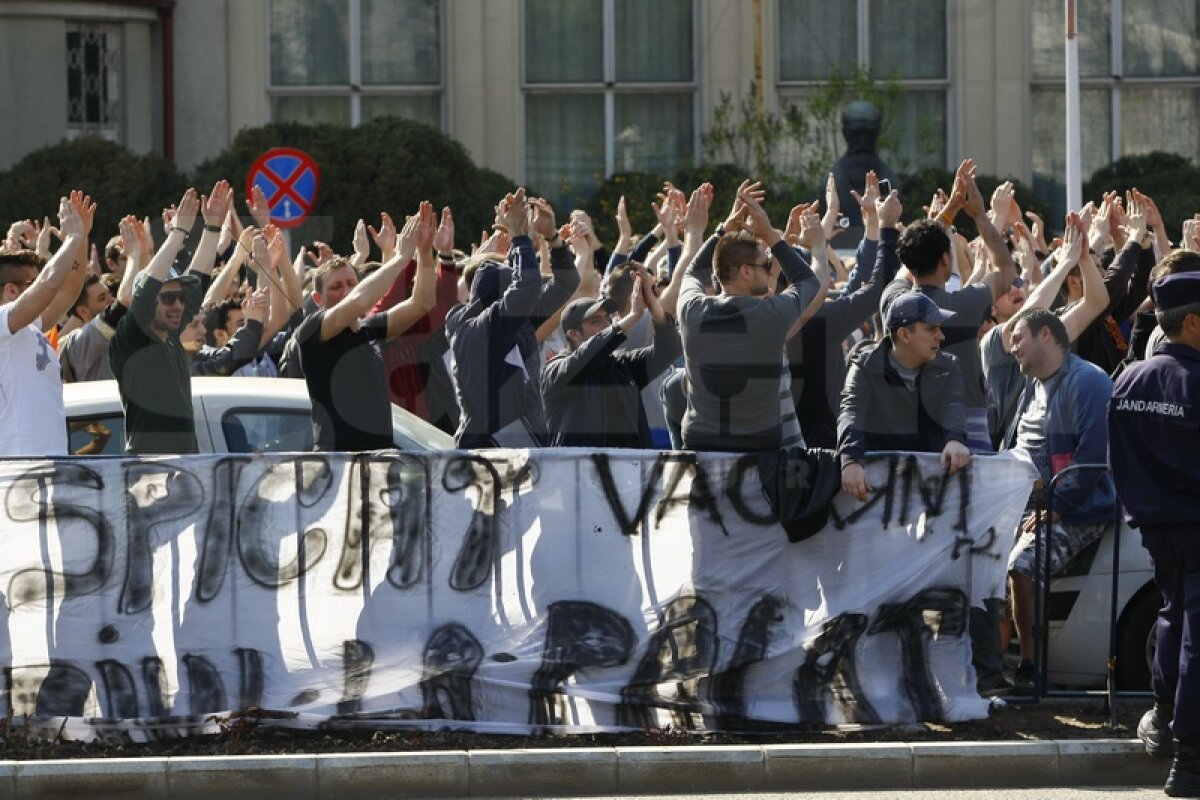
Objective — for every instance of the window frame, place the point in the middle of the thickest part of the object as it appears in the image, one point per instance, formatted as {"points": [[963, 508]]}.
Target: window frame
{"points": [[1112, 83], [788, 89], [356, 90], [609, 87], [114, 130]]}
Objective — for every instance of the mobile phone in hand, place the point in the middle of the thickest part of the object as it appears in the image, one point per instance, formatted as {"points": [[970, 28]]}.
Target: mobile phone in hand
{"points": [[885, 187]]}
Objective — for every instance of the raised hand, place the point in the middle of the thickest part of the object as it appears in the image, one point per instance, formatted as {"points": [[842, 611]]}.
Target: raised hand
{"points": [[866, 200], [757, 220], [833, 208], [737, 215], [1003, 203], [130, 241], [260, 247], [185, 212], [1038, 230], [624, 229], [1135, 216], [889, 209], [258, 208], [216, 206], [1154, 220], [966, 192], [385, 237], [256, 304], [695, 216], [579, 235], [362, 245], [277, 247], [543, 218], [69, 220], [443, 239], [426, 227], [1072, 243], [406, 241], [812, 233]]}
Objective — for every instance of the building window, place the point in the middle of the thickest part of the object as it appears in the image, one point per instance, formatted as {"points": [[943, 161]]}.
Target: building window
{"points": [[94, 80], [819, 40], [346, 62], [610, 86], [1139, 75]]}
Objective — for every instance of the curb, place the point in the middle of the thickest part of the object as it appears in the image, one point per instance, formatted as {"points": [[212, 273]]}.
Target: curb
{"points": [[587, 771]]}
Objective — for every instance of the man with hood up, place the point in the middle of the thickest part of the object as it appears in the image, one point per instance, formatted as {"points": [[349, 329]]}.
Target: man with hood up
{"points": [[496, 359]]}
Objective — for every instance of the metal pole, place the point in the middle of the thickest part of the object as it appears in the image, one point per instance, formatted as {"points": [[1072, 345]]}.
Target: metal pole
{"points": [[1073, 147], [1112, 620]]}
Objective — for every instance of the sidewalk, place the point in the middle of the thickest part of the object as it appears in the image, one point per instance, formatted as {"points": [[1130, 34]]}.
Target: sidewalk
{"points": [[603, 770]]}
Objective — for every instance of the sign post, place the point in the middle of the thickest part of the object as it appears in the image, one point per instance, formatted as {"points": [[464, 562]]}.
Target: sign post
{"points": [[289, 178]]}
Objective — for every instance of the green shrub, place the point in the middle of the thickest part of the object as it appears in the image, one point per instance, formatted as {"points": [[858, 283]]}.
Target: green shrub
{"points": [[119, 181]]}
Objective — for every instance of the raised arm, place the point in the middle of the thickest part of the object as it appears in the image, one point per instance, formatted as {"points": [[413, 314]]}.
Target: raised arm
{"points": [[33, 302], [1095, 294], [695, 220], [404, 315], [1004, 269], [214, 208], [363, 296], [68, 290], [223, 283], [553, 295]]}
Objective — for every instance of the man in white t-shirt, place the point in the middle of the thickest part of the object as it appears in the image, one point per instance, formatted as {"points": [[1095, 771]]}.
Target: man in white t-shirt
{"points": [[32, 418]]}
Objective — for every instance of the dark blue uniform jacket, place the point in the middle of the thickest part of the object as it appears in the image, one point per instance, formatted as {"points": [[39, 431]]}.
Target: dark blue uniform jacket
{"points": [[1154, 438]]}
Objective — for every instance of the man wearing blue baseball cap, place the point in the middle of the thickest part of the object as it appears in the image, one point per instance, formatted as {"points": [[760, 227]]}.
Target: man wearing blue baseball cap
{"points": [[903, 393], [1154, 435]]}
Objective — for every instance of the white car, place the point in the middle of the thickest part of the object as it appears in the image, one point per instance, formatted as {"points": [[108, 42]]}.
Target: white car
{"points": [[233, 415], [1079, 614]]}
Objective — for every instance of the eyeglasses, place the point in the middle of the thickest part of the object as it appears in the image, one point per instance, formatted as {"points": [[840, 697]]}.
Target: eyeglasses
{"points": [[765, 264], [22, 284], [170, 298]]}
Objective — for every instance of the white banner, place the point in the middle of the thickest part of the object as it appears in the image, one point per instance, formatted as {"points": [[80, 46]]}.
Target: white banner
{"points": [[509, 591]]}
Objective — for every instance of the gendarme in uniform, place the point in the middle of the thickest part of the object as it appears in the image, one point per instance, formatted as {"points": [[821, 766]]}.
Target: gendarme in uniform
{"points": [[1154, 454]]}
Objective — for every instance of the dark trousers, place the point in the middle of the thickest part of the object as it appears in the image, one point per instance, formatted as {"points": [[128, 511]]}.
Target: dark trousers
{"points": [[986, 654], [1175, 554]]}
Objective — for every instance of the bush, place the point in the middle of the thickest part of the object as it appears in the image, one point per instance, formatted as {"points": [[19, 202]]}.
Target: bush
{"points": [[119, 181], [385, 165]]}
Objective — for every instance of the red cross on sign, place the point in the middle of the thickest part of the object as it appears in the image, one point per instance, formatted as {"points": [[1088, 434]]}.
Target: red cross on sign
{"points": [[289, 179]]}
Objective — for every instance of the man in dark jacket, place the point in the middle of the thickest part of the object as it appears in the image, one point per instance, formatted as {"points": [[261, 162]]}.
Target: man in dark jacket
{"points": [[903, 393], [1154, 434], [497, 362], [593, 390]]}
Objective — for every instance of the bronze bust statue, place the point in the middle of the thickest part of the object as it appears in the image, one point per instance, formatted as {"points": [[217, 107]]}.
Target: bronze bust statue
{"points": [[861, 124]]}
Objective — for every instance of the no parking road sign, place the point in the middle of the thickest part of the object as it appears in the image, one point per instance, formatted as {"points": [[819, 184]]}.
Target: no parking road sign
{"points": [[289, 178]]}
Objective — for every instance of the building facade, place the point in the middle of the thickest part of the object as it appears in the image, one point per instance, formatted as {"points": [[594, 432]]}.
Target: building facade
{"points": [[561, 93]]}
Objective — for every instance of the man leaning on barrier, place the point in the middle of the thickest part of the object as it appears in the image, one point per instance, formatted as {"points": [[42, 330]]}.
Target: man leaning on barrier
{"points": [[1154, 430], [903, 394], [1059, 422]]}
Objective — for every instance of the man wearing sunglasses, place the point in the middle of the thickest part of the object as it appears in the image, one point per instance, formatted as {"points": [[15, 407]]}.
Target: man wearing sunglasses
{"points": [[150, 364], [32, 419]]}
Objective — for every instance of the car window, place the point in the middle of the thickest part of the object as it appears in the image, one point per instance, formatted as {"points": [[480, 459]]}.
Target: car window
{"points": [[267, 430], [96, 435]]}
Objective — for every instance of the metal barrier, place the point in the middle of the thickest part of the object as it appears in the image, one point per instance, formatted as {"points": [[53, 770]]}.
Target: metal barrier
{"points": [[1042, 601]]}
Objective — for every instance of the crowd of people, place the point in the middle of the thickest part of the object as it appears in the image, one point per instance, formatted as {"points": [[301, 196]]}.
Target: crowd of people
{"points": [[746, 338]]}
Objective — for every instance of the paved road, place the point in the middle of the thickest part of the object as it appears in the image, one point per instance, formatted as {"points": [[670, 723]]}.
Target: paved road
{"points": [[1105, 793]]}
